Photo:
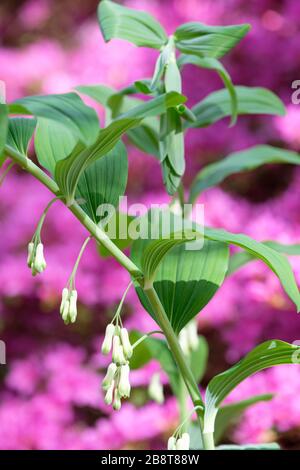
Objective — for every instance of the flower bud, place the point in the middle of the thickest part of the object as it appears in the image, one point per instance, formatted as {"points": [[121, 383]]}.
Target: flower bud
{"points": [[118, 354], [180, 444], [127, 348], [155, 389], [116, 349], [124, 383], [117, 401], [172, 443], [39, 261], [109, 377], [109, 394], [73, 306], [108, 338], [30, 253], [186, 440], [65, 313], [64, 297]]}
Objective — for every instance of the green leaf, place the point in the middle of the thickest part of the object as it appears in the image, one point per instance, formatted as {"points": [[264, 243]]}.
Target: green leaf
{"points": [[103, 182], [154, 348], [231, 413], [208, 41], [170, 179], [156, 251], [135, 26], [144, 137], [198, 359], [276, 261], [217, 105], [244, 160], [237, 260], [268, 354], [52, 143], [156, 106], [213, 64], [66, 109], [99, 93], [3, 126], [185, 280], [171, 145], [20, 132], [121, 222], [69, 170]]}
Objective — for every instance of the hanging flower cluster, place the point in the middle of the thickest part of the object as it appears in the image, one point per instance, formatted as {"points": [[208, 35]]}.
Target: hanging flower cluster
{"points": [[179, 443], [116, 382], [35, 259]]}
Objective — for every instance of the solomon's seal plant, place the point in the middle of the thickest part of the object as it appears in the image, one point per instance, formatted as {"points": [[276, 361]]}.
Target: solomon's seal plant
{"points": [[85, 166]]}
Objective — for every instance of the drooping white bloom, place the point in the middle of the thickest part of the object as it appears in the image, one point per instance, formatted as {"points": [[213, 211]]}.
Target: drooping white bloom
{"points": [[64, 298], [118, 353], [127, 348], [73, 306], [65, 313], [172, 443], [68, 306], [110, 393], [30, 253], [35, 259], [155, 389], [124, 383], [109, 377], [186, 440], [40, 262], [117, 401], [108, 339]]}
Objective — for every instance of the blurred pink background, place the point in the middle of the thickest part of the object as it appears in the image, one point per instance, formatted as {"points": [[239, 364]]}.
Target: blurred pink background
{"points": [[50, 395]]}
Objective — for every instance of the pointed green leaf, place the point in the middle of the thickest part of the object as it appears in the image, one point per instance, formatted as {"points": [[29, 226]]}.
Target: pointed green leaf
{"points": [[20, 132], [208, 41], [66, 109], [135, 26], [52, 142], [69, 170], [214, 64], [229, 414], [103, 182], [145, 137], [244, 160], [185, 280], [237, 260], [268, 354], [217, 105], [171, 146], [121, 238], [276, 261], [156, 251], [170, 179], [100, 93]]}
